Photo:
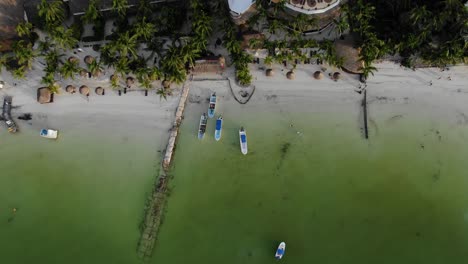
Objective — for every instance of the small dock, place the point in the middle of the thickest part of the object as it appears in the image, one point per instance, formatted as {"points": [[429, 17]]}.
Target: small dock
{"points": [[364, 108], [6, 115]]}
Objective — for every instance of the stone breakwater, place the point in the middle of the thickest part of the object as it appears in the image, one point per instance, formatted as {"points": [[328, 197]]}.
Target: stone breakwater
{"points": [[155, 202]]}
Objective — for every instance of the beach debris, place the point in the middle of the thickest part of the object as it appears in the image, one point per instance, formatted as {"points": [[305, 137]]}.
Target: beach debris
{"points": [[70, 89], [318, 75], [26, 116]]}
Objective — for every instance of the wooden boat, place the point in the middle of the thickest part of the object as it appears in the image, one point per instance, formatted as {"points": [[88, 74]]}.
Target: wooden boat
{"points": [[219, 128], [202, 127], [211, 108], [280, 251], [243, 140], [49, 133]]}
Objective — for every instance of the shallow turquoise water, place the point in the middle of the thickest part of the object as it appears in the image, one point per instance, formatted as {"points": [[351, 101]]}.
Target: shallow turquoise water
{"points": [[78, 200], [332, 196]]}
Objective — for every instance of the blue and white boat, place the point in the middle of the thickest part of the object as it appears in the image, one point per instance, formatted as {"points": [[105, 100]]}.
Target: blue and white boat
{"points": [[211, 108], [219, 128], [280, 251], [243, 140], [202, 127]]}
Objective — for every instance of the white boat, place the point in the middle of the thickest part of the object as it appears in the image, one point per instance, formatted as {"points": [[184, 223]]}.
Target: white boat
{"points": [[49, 133], [280, 251], [243, 140], [219, 128], [202, 127], [211, 108]]}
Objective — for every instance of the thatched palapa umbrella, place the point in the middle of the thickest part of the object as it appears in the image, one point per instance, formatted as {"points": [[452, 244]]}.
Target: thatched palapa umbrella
{"points": [[83, 73], [291, 75], [130, 81], [336, 76], [166, 84], [311, 3], [318, 75], [70, 89], [84, 90], [270, 72], [73, 59], [88, 59], [99, 90]]}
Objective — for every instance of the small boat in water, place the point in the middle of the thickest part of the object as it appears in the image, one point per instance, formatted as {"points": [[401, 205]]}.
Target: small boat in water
{"points": [[49, 133], [202, 127], [280, 251], [211, 108], [219, 128], [243, 140]]}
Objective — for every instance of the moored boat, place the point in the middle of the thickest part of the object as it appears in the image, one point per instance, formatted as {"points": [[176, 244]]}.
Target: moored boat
{"points": [[49, 133], [219, 128], [243, 140], [280, 251], [202, 127], [211, 108]]}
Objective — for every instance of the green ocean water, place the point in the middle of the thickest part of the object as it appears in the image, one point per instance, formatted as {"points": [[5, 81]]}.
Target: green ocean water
{"points": [[333, 197], [79, 199]]}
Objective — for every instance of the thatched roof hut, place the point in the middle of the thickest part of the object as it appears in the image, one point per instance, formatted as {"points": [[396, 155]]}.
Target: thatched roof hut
{"points": [[270, 72], [318, 75], [44, 95], [346, 48], [70, 89], [130, 81], [291, 75], [84, 90], [88, 59], [99, 90], [336, 76]]}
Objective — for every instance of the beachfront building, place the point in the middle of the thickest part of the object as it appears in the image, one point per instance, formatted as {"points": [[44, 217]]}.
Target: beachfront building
{"points": [[11, 14]]}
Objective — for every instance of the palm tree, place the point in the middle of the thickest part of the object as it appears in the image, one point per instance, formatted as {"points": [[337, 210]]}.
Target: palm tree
{"points": [[52, 60], [268, 61], [146, 83], [92, 13], [163, 93], [94, 67], [121, 67], [64, 37], [243, 76], [24, 29], [125, 45], [367, 69], [144, 9], [144, 30], [120, 6], [341, 24], [115, 81], [69, 68], [202, 25], [154, 73], [19, 73], [24, 53], [49, 81], [52, 12]]}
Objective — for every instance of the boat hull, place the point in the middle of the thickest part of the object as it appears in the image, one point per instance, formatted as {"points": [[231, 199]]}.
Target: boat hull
{"points": [[280, 251], [219, 128], [212, 106], [202, 126], [243, 141]]}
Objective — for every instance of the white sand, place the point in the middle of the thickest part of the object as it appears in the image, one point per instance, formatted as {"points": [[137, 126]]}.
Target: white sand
{"points": [[392, 91]]}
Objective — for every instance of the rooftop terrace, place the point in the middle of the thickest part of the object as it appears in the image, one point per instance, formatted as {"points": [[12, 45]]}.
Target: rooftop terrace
{"points": [[311, 7]]}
